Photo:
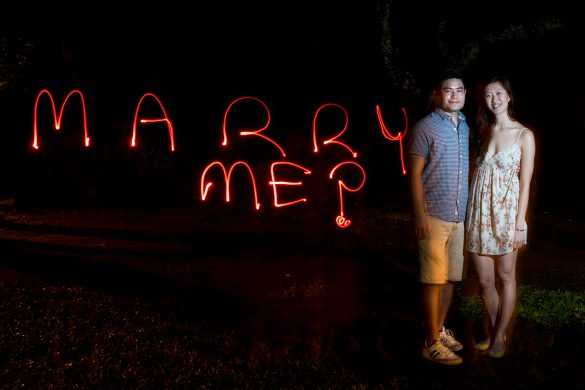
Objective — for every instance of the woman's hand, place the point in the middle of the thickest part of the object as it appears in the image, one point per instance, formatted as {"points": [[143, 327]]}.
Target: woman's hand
{"points": [[519, 236]]}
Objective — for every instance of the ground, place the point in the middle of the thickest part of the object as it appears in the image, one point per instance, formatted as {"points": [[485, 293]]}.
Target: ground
{"points": [[277, 288]]}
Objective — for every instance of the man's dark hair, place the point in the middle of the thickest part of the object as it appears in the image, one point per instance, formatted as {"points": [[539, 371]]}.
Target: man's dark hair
{"points": [[446, 75]]}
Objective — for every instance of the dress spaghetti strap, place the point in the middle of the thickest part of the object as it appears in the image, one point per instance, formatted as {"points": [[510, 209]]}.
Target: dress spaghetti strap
{"points": [[519, 134], [512, 176]]}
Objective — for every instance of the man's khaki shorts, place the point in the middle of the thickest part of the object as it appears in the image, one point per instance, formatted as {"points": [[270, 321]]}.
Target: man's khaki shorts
{"points": [[441, 254]]}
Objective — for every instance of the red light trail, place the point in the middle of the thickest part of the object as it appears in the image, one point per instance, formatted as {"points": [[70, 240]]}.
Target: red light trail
{"points": [[206, 182]]}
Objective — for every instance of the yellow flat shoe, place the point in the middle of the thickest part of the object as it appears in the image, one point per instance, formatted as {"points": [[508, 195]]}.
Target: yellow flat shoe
{"points": [[483, 345], [495, 354]]}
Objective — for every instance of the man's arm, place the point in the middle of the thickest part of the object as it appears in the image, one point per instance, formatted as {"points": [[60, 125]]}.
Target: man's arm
{"points": [[417, 164]]}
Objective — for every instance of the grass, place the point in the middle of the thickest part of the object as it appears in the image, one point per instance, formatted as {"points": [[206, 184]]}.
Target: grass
{"points": [[76, 337], [546, 308], [351, 324]]}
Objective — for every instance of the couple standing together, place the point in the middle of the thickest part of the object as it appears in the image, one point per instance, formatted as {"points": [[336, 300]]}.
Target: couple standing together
{"points": [[486, 218]]}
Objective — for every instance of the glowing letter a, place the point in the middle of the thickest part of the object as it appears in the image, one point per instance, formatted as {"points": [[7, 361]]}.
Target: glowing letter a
{"points": [[165, 119]]}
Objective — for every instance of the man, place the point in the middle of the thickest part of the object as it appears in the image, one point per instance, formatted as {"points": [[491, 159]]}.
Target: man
{"points": [[439, 168]]}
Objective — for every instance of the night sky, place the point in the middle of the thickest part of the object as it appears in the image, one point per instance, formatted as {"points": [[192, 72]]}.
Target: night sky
{"points": [[294, 57]]}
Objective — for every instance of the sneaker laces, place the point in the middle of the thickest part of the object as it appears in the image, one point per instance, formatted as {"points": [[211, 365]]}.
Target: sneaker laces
{"points": [[447, 335]]}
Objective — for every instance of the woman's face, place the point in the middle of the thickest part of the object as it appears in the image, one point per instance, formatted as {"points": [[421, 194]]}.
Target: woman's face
{"points": [[496, 98]]}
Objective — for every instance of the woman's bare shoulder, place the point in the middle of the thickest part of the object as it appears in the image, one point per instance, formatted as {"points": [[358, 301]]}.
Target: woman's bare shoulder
{"points": [[526, 136], [521, 129]]}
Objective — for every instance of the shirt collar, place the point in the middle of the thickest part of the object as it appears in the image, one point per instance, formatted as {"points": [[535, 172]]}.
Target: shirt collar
{"points": [[446, 116]]}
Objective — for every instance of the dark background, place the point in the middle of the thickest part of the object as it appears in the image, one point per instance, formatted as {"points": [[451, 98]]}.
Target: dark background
{"points": [[294, 57], [260, 296]]}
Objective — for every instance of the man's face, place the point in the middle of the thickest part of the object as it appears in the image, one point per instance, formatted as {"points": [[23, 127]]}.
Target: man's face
{"points": [[452, 95]]}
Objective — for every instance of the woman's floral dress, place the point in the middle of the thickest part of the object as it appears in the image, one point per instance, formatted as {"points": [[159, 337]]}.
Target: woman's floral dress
{"points": [[493, 202]]}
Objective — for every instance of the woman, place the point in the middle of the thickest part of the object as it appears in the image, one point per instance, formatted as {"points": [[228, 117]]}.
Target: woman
{"points": [[498, 200]]}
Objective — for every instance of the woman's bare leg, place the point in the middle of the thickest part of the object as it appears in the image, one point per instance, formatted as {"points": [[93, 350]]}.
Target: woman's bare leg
{"points": [[485, 268], [506, 269]]}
